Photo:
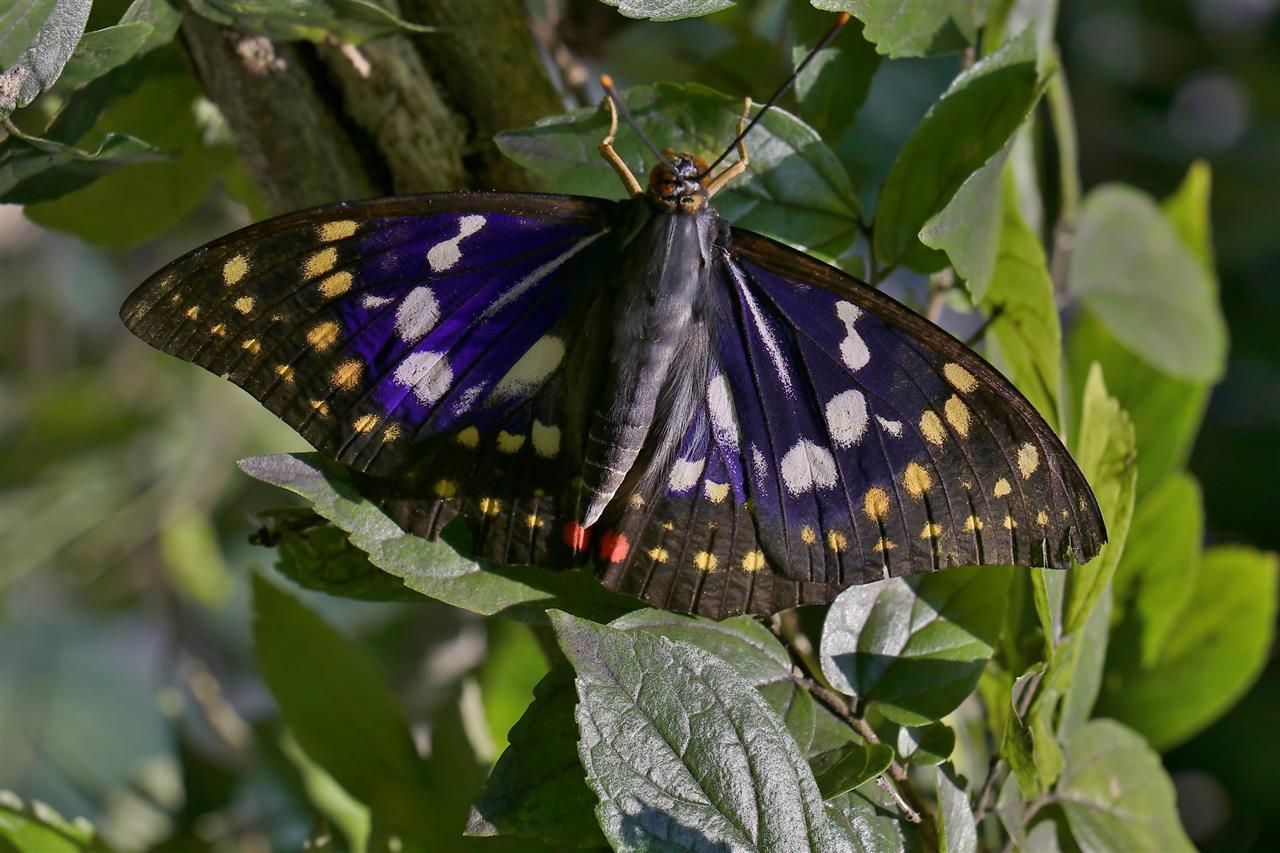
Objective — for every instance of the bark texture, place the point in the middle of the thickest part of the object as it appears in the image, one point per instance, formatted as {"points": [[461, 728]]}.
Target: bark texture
{"points": [[322, 123]]}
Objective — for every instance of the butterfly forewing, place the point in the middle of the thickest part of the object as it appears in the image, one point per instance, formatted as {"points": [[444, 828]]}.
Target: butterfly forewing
{"points": [[374, 327]]}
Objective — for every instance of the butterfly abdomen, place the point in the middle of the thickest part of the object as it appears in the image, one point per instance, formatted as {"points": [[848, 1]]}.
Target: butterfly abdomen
{"points": [[660, 299]]}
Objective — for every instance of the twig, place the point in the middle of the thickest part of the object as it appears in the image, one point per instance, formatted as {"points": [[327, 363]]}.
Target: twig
{"points": [[982, 806], [981, 331]]}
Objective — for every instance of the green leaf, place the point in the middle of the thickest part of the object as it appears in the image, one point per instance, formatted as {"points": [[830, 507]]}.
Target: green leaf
{"points": [[1115, 794], [983, 107], [340, 708], [1105, 452], [511, 671], [39, 61], [34, 169], [320, 557], [651, 708], [925, 745], [434, 569], [1088, 653], [1043, 838], [536, 789], [850, 766], [1028, 742], [957, 830], [1131, 270], [134, 204], [1166, 411], [1025, 327], [1188, 211], [329, 798], [834, 84], [353, 21], [1215, 649], [794, 190], [1157, 572], [20, 21], [969, 228], [915, 646], [37, 828], [870, 821], [668, 10], [911, 28], [102, 50]]}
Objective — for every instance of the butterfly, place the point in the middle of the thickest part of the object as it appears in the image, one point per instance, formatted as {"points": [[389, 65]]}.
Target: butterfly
{"points": [[719, 423]]}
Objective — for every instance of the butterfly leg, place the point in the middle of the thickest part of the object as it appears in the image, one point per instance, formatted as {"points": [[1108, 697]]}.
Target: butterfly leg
{"points": [[606, 150], [739, 167]]}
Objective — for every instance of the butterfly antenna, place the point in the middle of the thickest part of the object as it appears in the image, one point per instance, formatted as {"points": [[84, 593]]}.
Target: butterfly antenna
{"points": [[607, 82], [841, 20]]}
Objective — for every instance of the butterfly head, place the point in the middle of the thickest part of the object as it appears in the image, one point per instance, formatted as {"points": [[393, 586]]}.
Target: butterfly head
{"points": [[676, 187]]}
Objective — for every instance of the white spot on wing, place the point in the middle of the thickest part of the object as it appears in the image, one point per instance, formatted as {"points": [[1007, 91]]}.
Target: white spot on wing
{"points": [[847, 417], [759, 463], [546, 440], [468, 398], [370, 301], [808, 466], [853, 350], [417, 315], [724, 422], [685, 473], [894, 428], [523, 285], [427, 374], [532, 368], [446, 253]]}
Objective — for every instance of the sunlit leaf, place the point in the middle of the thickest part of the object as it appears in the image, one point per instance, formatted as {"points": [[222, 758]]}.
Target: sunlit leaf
{"points": [[36, 828], [38, 62], [668, 10], [915, 646], [849, 767], [34, 169], [910, 28], [102, 50], [957, 831]]}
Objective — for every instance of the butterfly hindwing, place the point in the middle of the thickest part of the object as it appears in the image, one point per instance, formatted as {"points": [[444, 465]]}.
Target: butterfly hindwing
{"points": [[378, 329], [844, 440]]}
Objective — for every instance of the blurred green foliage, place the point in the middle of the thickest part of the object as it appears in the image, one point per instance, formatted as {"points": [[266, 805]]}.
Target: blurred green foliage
{"points": [[158, 679]]}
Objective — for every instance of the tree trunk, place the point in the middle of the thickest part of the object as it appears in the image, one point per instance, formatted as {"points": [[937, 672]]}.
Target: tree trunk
{"points": [[400, 114]]}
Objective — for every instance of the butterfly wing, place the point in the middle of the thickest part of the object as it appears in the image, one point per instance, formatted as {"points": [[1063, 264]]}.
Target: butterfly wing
{"points": [[844, 439], [382, 330]]}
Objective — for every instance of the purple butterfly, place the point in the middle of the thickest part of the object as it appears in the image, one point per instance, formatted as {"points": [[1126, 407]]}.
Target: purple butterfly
{"points": [[720, 423]]}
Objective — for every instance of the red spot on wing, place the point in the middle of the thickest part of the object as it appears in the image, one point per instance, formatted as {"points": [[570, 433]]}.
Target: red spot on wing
{"points": [[576, 536], [614, 546]]}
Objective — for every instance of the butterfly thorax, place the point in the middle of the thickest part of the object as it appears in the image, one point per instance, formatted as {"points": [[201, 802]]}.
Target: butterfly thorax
{"points": [[658, 354], [678, 185]]}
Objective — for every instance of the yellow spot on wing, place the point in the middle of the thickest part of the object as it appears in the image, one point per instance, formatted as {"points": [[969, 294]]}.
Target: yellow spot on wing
{"points": [[531, 521], [366, 423], [446, 488], [931, 428], [220, 330], [807, 535], [347, 375], [957, 415], [508, 443], [1002, 488], [753, 561], [235, 269], [323, 336], [339, 230], [193, 312], [705, 561], [931, 531], [917, 480], [658, 555], [716, 492], [666, 525], [335, 285], [319, 263], [390, 433], [285, 372], [1028, 460], [837, 541], [1042, 518], [244, 304], [469, 437], [1010, 522], [876, 503], [884, 545], [321, 407], [490, 506], [959, 377], [251, 345], [636, 501], [973, 523]]}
